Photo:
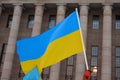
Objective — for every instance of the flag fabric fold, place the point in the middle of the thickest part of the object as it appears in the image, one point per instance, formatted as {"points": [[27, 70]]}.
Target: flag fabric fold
{"points": [[54, 45], [32, 75]]}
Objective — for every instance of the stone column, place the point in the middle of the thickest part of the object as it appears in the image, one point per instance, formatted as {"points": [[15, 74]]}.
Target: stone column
{"points": [[7, 67], [38, 19], [106, 43], [80, 62], [55, 69]]}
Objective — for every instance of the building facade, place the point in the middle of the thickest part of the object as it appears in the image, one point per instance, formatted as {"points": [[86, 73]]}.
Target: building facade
{"points": [[100, 22]]}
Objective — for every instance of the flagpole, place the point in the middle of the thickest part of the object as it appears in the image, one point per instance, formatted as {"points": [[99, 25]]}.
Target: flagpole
{"points": [[84, 51]]}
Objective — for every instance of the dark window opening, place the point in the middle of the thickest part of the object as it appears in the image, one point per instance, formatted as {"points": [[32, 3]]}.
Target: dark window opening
{"points": [[30, 21], [52, 21], [95, 24], [9, 21], [117, 22]]}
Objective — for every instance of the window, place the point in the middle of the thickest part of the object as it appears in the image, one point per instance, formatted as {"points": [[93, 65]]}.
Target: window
{"points": [[9, 21], [69, 71], [117, 63], [70, 61], [94, 61], [45, 74], [51, 21], [94, 56], [2, 56], [30, 21], [95, 24], [117, 22]]}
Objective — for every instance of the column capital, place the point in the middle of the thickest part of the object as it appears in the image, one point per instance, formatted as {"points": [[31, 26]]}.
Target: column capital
{"points": [[107, 9], [39, 9], [83, 4], [84, 10], [39, 4], [107, 4], [61, 10], [61, 4], [17, 4], [18, 9]]}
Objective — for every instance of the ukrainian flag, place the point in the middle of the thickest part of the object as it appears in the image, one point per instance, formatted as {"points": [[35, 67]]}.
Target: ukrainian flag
{"points": [[54, 45]]}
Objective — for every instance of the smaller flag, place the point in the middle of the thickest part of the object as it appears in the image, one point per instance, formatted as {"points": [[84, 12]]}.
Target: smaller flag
{"points": [[32, 75], [87, 74]]}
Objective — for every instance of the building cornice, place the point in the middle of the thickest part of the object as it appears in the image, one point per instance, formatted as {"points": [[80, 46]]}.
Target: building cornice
{"points": [[59, 1]]}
